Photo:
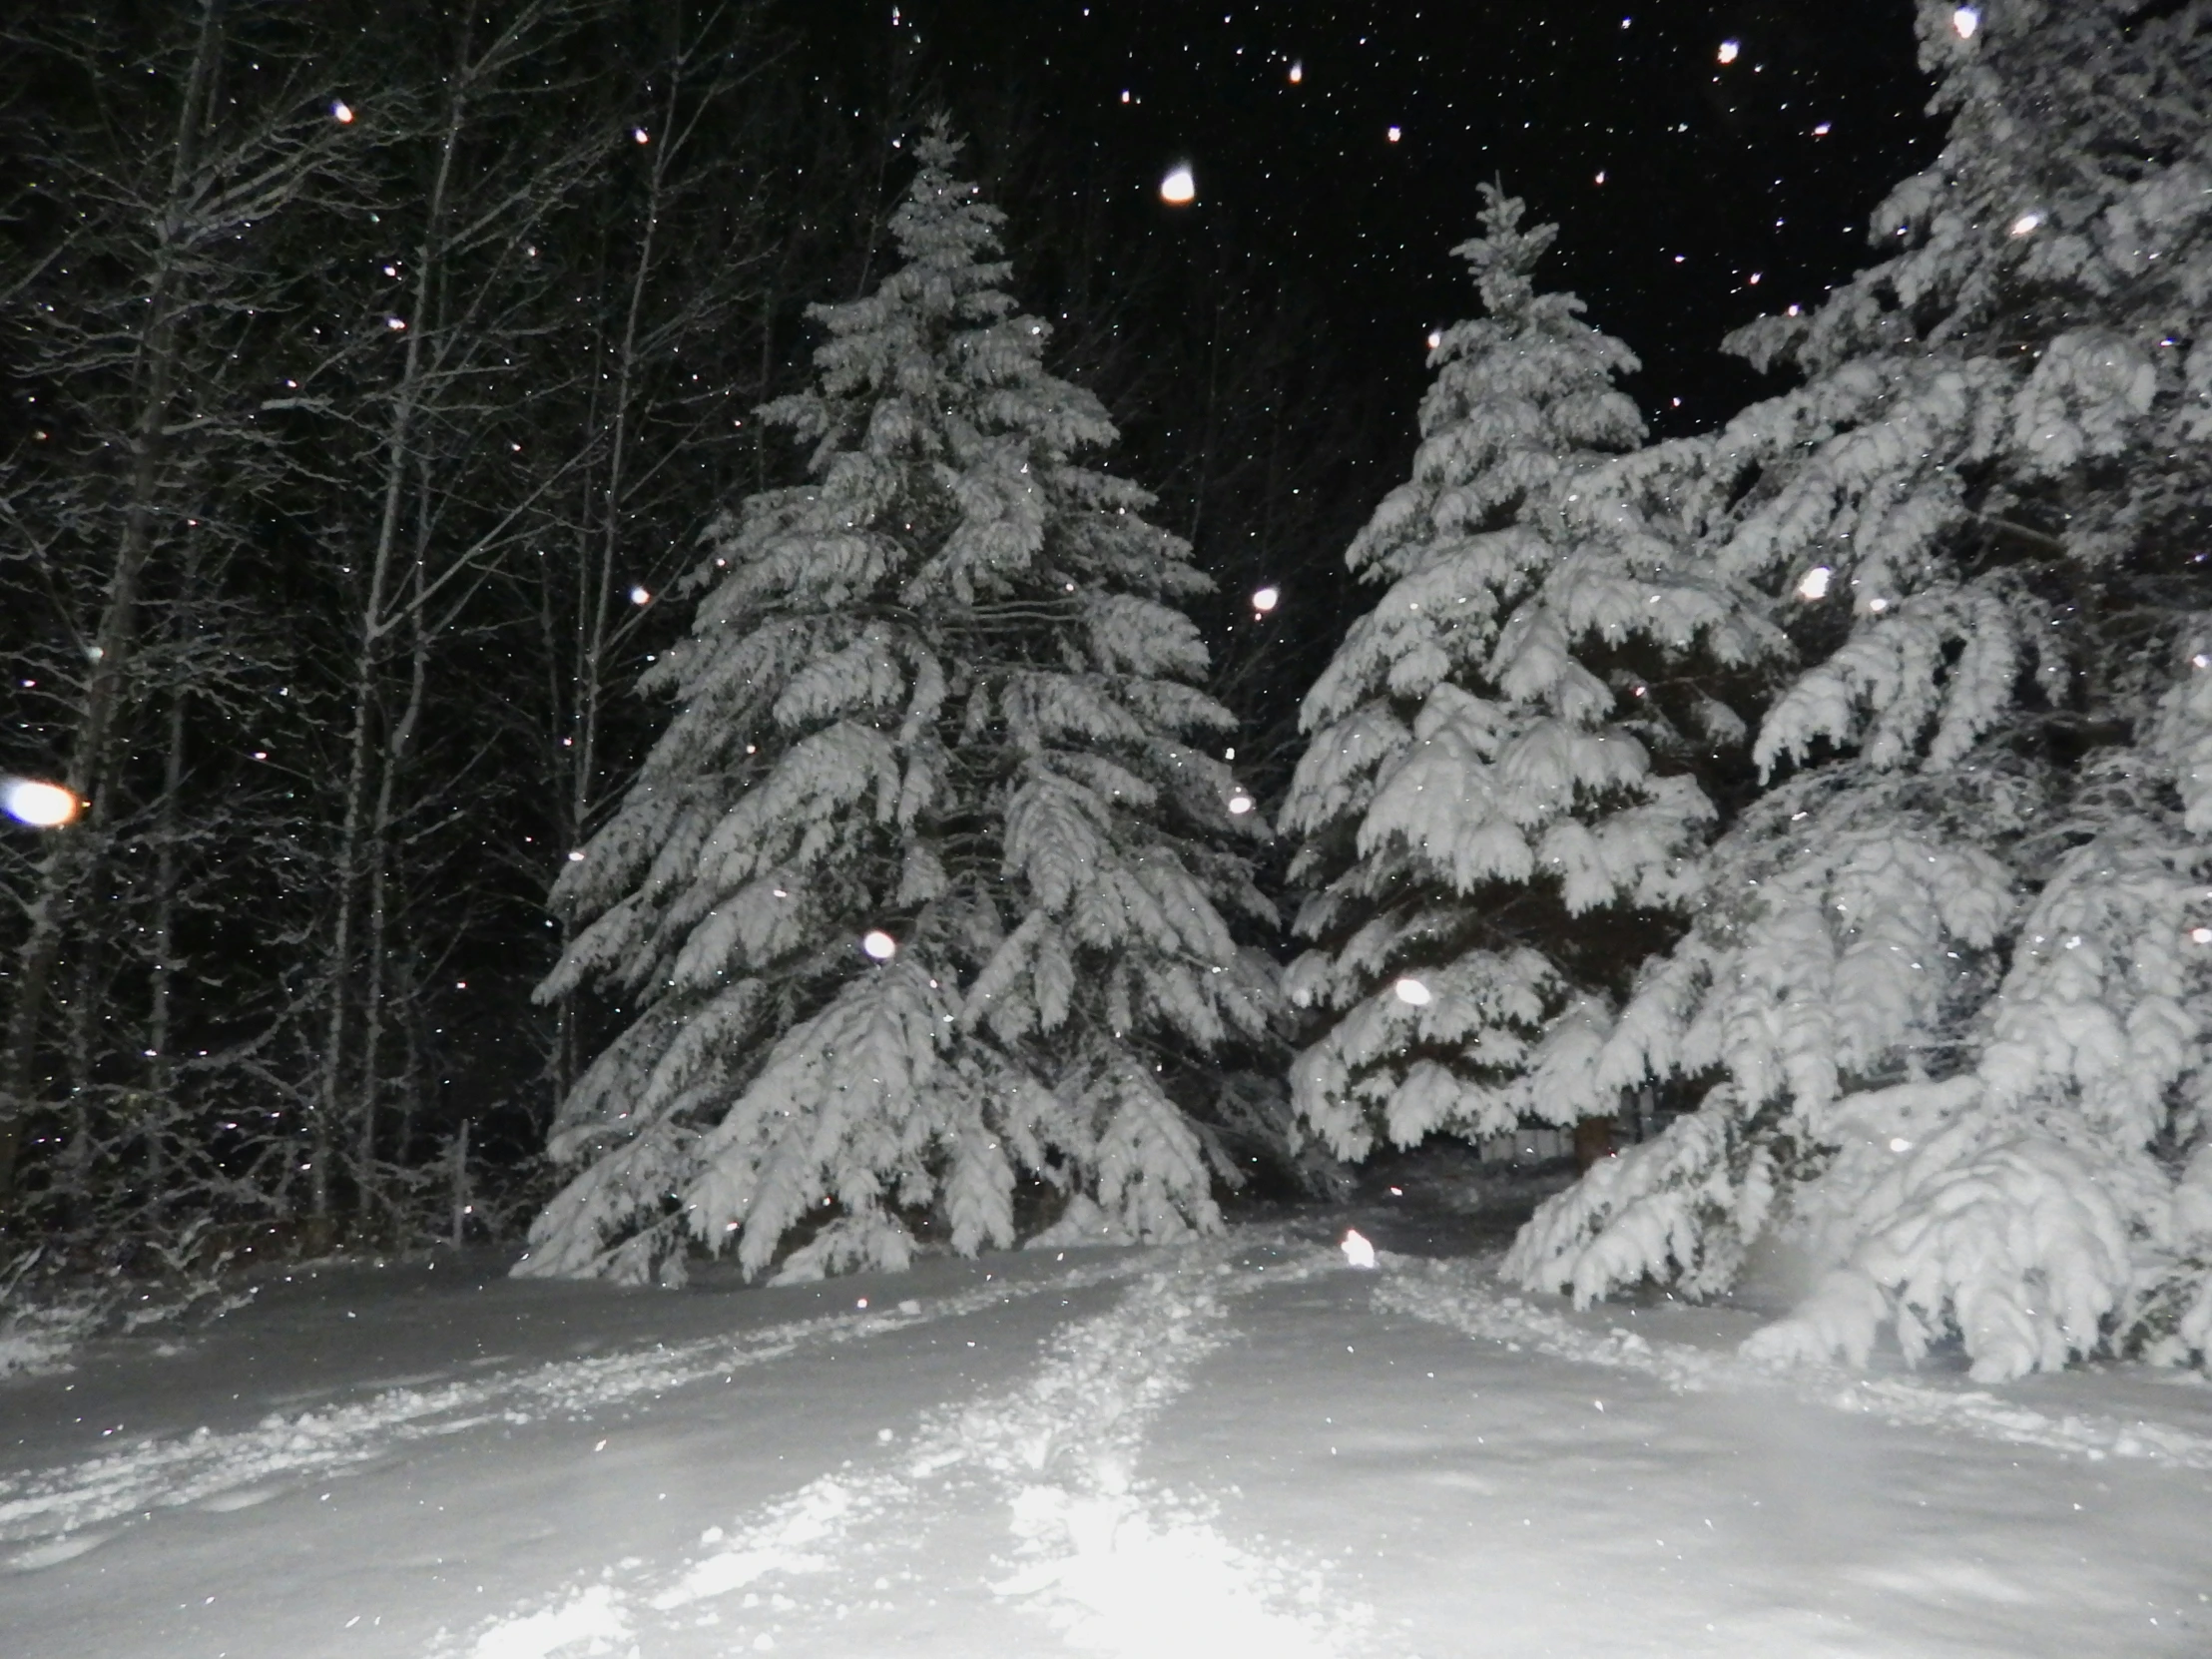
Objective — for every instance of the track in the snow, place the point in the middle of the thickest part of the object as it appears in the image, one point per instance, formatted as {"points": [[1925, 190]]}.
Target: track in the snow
{"points": [[1083, 1543], [228, 1469]]}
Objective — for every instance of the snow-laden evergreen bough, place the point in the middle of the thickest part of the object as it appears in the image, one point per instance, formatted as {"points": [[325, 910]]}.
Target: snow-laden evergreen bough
{"points": [[942, 694], [1948, 988], [1499, 797]]}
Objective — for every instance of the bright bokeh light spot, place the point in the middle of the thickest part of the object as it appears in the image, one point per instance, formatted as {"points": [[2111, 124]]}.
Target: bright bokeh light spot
{"points": [[1394, 134], [1435, 339], [1179, 189], [641, 135], [2026, 223], [1823, 129], [1297, 73], [1267, 599], [1601, 176], [1359, 1253], [1240, 803], [1814, 583], [41, 806], [1878, 606], [1965, 21], [1412, 992], [1731, 50], [2200, 936], [2200, 660], [395, 323], [639, 596], [576, 857], [1900, 1144], [342, 112], [879, 945]]}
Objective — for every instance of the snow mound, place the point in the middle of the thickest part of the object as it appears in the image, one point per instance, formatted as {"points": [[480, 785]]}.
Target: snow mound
{"points": [[1119, 1580], [589, 1622]]}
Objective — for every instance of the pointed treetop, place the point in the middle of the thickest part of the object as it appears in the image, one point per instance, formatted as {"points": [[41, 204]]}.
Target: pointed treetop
{"points": [[944, 222], [1505, 256]]}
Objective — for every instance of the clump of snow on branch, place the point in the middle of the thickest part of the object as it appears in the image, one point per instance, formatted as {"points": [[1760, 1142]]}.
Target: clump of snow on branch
{"points": [[1939, 1011]]}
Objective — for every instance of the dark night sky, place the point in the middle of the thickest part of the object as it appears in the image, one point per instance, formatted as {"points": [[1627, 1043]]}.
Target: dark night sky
{"points": [[1769, 165]]}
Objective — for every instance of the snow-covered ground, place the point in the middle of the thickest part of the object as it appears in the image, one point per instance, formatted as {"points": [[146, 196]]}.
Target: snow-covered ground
{"points": [[1240, 1447]]}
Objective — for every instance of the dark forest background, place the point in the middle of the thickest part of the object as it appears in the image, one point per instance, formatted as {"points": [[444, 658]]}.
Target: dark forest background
{"points": [[370, 371]]}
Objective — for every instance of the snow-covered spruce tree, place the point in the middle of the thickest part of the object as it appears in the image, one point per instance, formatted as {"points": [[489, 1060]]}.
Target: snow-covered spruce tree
{"points": [[922, 888], [1946, 992], [1499, 805]]}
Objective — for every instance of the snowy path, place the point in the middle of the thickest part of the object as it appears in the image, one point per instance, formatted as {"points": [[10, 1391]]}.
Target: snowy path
{"points": [[234, 1470], [1241, 1447], [1042, 1473]]}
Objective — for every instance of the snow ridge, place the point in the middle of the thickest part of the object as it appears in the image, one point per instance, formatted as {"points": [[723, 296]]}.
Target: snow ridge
{"points": [[203, 1466], [1464, 1296]]}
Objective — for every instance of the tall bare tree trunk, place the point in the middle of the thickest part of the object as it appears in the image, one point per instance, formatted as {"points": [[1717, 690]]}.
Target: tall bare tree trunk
{"points": [[76, 1183], [161, 1090], [601, 551], [396, 749], [375, 622]]}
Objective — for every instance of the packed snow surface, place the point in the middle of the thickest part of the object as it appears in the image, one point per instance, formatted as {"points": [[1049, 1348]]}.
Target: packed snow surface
{"points": [[1244, 1446]]}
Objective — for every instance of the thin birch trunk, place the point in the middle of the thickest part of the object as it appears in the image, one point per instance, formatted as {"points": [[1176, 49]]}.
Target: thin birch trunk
{"points": [[369, 644], [161, 1089], [460, 1200], [595, 613], [76, 1153], [594, 665], [395, 757]]}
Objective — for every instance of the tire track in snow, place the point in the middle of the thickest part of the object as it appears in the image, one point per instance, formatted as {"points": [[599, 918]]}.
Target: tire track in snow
{"points": [[225, 1471], [1464, 1296], [1111, 1563]]}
